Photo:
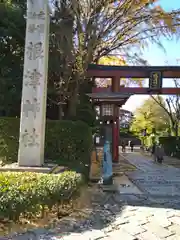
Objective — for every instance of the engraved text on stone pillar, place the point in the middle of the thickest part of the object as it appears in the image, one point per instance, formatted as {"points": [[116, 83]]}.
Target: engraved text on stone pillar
{"points": [[34, 15], [34, 51], [33, 78], [32, 28], [30, 139], [33, 107]]}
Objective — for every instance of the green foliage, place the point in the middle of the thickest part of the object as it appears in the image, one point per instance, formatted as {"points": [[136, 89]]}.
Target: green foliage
{"points": [[85, 108], [70, 142], [125, 133], [67, 142], [9, 139], [172, 108], [86, 114], [171, 146], [150, 116], [25, 193], [12, 29], [147, 141]]}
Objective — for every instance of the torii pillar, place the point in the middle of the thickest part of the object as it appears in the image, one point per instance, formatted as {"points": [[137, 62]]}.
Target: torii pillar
{"points": [[115, 128], [34, 90]]}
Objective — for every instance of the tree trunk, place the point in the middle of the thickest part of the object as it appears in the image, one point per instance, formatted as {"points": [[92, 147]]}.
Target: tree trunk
{"points": [[60, 112], [72, 106], [174, 129]]}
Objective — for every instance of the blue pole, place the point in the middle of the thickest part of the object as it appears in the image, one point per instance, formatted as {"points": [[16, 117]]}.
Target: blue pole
{"points": [[107, 164]]}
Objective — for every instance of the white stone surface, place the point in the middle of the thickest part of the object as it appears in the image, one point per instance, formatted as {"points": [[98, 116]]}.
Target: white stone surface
{"points": [[125, 186], [34, 91]]}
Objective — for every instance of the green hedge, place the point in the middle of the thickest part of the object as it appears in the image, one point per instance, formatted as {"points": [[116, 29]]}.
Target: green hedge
{"points": [[67, 142], [31, 193], [9, 139], [171, 146]]}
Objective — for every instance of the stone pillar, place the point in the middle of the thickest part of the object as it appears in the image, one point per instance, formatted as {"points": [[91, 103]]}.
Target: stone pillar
{"points": [[34, 90], [115, 130]]}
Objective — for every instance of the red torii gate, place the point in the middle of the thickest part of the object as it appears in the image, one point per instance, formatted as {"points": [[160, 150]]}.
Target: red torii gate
{"points": [[118, 94]]}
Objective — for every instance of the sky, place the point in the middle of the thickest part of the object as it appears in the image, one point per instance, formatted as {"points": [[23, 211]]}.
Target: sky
{"points": [[156, 56]]}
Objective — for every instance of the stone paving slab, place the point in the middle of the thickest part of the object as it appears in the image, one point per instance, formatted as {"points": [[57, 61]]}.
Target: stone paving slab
{"points": [[163, 190], [119, 234], [148, 235], [158, 230], [159, 189], [148, 178], [175, 228]]}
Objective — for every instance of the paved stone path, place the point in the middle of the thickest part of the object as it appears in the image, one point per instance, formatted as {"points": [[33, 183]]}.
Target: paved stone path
{"points": [[155, 180], [152, 215]]}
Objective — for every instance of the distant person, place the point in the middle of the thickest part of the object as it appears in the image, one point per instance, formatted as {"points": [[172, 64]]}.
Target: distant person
{"points": [[159, 153], [132, 146], [153, 149], [123, 146]]}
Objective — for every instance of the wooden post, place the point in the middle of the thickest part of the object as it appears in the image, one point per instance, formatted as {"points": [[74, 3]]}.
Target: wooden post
{"points": [[115, 131]]}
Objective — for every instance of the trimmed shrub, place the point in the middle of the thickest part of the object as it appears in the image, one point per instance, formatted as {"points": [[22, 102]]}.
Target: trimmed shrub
{"points": [[9, 139], [25, 193], [70, 143], [87, 114], [67, 142], [171, 146]]}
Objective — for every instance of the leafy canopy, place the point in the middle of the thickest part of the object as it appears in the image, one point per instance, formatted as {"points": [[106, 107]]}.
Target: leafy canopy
{"points": [[150, 116]]}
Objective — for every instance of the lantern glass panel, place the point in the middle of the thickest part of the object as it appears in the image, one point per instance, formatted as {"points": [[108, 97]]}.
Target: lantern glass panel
{"points": [[107, 110]]}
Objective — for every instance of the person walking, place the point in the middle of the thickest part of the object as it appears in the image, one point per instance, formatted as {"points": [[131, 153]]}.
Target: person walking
{"points": [[132, 146], [123, 146], [159, 153]]}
